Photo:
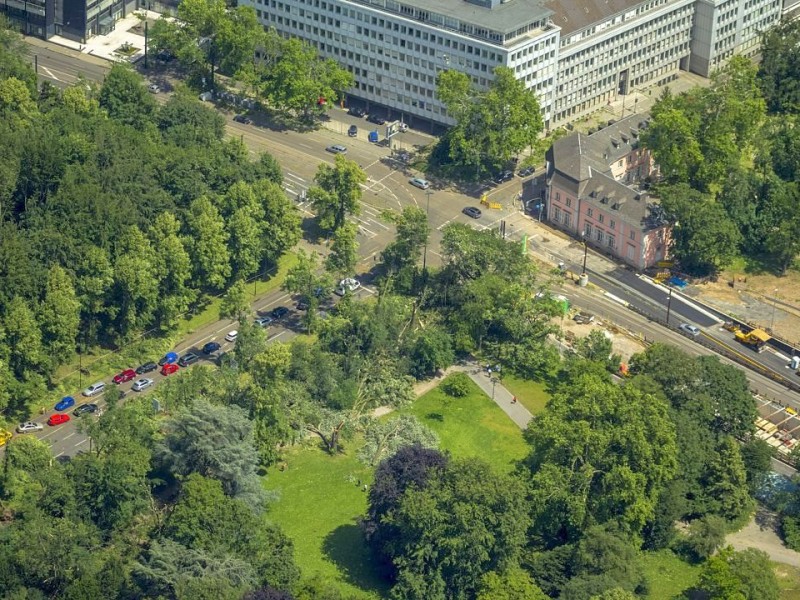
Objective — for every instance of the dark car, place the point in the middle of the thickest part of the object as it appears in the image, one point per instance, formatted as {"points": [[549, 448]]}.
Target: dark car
{"points": [[146, 368], [279, 312], [85, 409], [356, 112], [504, 176], [210, 348], [353, 131], [376, 119], [242, 119], [188, 359], [473, 212], [527, 171]]}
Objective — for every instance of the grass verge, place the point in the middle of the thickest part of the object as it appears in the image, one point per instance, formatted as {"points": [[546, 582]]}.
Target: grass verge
{"points": [[472, 426], [788, 580], [319, 507], [531, 394]]}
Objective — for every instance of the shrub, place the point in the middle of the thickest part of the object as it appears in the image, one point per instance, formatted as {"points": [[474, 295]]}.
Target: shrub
{"points": [[457, 385]]}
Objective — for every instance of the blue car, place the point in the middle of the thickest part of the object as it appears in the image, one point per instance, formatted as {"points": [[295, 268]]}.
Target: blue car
{"points": [[210, 348], [65, 403]]}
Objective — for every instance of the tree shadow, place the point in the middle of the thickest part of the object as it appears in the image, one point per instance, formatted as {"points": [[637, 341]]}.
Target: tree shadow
{"points": [[311, 230], [434, 416], [346, 548]]}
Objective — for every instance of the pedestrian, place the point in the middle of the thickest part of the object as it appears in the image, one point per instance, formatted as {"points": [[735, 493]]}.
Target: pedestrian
{"points": [[513, 400]]}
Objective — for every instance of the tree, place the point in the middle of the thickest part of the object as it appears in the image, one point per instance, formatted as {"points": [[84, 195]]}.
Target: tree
{"points": [[746, 575], [281, 227], [431, 350], [404, 252], [511, 584], [779, 68], [17, 108], [337, 192], [464, 523], [125, 98], [597, 347], [757, 458], [704, 238], [577, 479], [705, 536], [236, 302], [136, 290], [726, 482], [60, 316], [173, 270], [244, 230], [206, 243], [386, 438], [186, 121], [343, 256], [304, 280], [24, 338], [215, 442]]}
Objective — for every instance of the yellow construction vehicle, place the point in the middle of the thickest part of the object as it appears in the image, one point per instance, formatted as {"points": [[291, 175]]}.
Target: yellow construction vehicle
{"points": [[4, 436], [756, 339]]}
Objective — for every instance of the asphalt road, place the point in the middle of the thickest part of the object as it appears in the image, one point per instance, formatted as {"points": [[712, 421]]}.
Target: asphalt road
{"points": [[63, 66]]}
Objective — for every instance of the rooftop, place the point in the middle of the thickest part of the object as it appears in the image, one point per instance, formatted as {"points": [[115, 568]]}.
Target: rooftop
{"points": [[574, 16]]}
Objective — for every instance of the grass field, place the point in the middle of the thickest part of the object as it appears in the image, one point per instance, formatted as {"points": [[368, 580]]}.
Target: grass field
{"points": [[531, 394], [471, 426], [667, 574], [788, 580], [318, 507]]}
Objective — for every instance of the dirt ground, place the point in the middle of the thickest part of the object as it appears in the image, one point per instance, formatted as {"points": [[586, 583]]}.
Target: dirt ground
{"points": [[760, 534], [623, 344], [763, 300]]}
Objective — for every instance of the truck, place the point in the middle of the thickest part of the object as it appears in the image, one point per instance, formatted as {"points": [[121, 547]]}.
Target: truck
{"points": [[756, 339]]}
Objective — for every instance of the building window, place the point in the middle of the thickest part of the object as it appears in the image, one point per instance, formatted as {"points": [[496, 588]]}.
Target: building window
{"points": [[631, 251], [599, 234], [633, 235], [611, 224], [569, 202], [601, 217], [612, 242], [587, 230], [556, 214], [567, 219], [558, 197], [589, 212]]}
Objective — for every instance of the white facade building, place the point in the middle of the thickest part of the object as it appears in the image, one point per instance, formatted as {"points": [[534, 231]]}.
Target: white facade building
{"points": [[576, 56]]}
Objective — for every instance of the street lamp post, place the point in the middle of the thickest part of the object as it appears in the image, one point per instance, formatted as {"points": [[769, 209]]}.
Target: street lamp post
{"points": [[669, 305], [427, 219], [774, 303], [585, 252]]}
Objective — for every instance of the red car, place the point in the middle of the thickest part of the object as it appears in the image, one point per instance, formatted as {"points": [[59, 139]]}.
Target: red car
{"points": [[58, 419], [169, 369], [126, 375]]}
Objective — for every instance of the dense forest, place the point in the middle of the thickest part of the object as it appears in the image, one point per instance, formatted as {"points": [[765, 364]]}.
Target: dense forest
{"points": [[117, 216], [730, 161]]}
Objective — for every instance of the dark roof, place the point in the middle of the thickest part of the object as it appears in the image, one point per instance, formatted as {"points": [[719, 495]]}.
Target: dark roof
{"points": [[574, 16]]}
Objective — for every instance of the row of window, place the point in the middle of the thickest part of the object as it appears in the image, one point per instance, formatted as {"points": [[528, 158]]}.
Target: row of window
{"points": [[612, 224]]}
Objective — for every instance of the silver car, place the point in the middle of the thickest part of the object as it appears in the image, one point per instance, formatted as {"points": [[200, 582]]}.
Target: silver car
{"points": [[690, 329], [142, 384], [94, 389], [29, 427]]}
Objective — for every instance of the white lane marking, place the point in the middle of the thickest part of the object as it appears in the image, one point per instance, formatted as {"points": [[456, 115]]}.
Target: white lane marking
{"points": [[440, 227], [49, 73], [59, 454], [70, 435], [81, 442], [276, 336], [305, 146], [781, 356]]}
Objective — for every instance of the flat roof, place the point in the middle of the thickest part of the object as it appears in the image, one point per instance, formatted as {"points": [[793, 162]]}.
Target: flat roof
{"points": [[574, 16], [506, 17]]}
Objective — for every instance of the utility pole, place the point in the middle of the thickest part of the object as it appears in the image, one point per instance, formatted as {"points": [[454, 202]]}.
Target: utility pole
{"points": [[145, 41], [427, 219], [669, 305], [585, 252]]}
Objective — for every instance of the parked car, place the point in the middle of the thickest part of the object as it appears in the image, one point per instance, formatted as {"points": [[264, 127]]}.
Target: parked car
{"points": [[231, 336], [376, 119], [583, 318], [262, 321], [526, 171], [689, 329], [153, 88], [211, 347], [57, 419], [95, 389], [242, 119], [352, 131], [29, 427], [279, 312], [126, 375], [65, 403], [85, 409], [146, 368], [347, 285], [169, 369], [188, 359], [402, 127], [473, 212], [168, 358], [356, 112], [142, 384], [504, 176], [336, 149], [422, 184]]}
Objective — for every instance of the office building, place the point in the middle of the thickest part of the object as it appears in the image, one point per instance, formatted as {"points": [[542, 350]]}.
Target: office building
{"points": [[73, 19]]}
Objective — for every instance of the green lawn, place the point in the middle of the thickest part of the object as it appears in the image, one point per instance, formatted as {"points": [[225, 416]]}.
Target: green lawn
{"points": [[471, 426], [788, 580], [319, 504], [667, 574], [531, 394]]}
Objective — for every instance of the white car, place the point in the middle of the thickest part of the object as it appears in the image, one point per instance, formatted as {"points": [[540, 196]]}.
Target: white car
{"points": [[232, 335], [690, 329], [94, 389], [422, 184], [347, 285], [154, 89], [29, 427], [142, 384]]}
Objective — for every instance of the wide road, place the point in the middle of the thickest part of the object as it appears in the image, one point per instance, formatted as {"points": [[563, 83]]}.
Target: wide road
{"points": [[63, 66]]}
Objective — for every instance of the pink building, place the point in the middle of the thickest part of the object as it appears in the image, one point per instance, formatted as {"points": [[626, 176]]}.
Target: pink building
{"points": [[593, 193]]}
